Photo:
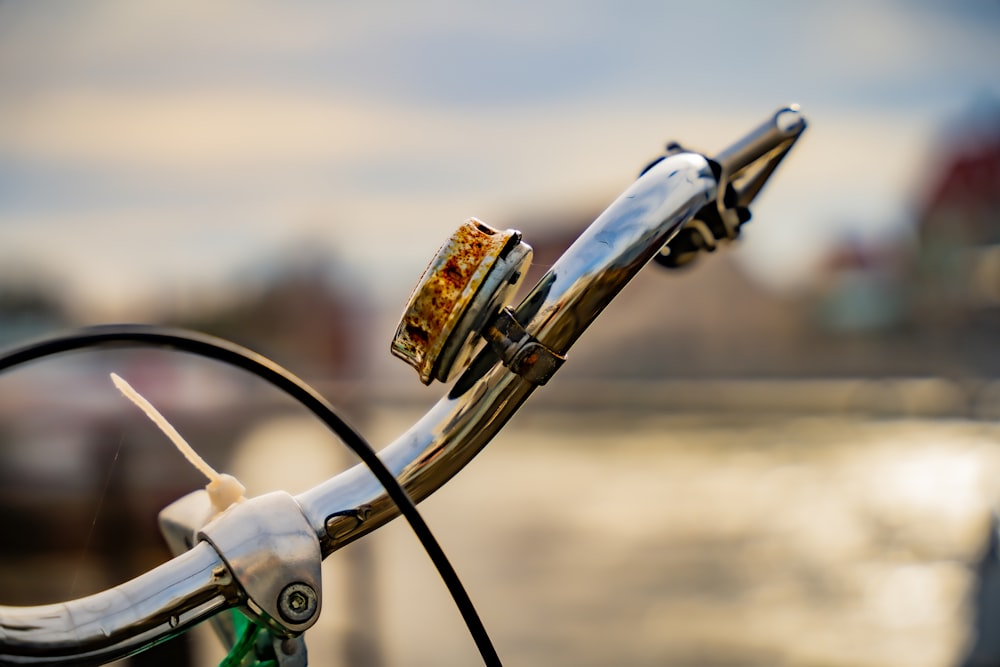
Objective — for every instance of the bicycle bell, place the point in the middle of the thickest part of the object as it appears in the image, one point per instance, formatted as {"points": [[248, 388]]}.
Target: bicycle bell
{"points": [[474, 274]]}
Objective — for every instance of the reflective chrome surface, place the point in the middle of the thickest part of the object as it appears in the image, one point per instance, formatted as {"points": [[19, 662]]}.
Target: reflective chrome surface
{"points": [[93, 630], [197, 584], [274, 557], [749, 162], [565, 301]]}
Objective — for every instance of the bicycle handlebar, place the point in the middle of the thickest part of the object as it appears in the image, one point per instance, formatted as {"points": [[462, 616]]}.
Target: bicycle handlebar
{"points": [[565, 301], [153, 607], [571, 294]]}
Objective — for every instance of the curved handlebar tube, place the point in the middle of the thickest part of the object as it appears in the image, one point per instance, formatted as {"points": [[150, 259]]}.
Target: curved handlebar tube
{"points": [[566, 300], [196, 585], [151, 608]]}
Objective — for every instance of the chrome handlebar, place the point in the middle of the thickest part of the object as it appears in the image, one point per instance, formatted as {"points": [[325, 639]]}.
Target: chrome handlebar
{"points": [[567, 298], [155, 606], [210, 578]]}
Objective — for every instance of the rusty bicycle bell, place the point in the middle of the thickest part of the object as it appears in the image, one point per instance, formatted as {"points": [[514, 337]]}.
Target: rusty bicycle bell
{"points": [[474, 274]]}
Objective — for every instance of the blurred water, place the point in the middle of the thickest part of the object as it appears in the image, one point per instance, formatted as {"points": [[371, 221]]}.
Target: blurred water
{"points": [[633, 537], [640, 539]]}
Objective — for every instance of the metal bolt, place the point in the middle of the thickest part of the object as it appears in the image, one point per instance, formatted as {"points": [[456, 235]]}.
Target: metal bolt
{"points": [[297, 603]]}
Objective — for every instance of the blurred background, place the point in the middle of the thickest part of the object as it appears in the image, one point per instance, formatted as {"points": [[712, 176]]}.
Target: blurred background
{"points": [[784, 455]]}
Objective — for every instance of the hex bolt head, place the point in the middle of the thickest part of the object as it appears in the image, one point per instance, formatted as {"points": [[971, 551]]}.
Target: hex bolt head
{"points": [[297, 603]]}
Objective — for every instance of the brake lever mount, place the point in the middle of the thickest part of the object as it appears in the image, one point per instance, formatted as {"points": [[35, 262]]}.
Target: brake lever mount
{"points": [[742, 170]]}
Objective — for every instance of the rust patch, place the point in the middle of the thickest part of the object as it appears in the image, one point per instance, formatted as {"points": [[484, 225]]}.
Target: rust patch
{"points": [[444, 291]]}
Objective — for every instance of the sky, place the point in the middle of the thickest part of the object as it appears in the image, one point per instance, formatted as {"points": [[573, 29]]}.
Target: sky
{"points": [[150, 151]]}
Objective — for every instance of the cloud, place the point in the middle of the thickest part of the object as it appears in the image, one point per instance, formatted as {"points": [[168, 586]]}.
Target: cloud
{"points": [[185, 129], [905, 56], [374, 124], [103, 40]]}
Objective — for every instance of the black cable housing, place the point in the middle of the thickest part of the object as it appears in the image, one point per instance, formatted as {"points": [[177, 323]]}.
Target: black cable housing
{"points": [[235, 355]]}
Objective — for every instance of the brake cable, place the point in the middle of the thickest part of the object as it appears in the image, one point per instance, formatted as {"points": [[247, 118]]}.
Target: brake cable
{"points": [[235, 355]]}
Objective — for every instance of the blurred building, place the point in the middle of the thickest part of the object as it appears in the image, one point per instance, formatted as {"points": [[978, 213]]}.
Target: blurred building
{"points": [[958, 279], [932, 303], [29, 307], [298, 311], [72, 448]]}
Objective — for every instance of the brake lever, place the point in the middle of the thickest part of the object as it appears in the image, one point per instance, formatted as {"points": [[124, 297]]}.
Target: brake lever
{"points": [[742, 169]]}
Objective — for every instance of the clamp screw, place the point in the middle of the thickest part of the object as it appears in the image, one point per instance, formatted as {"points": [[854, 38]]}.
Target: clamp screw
{"points": [[297, 603]]}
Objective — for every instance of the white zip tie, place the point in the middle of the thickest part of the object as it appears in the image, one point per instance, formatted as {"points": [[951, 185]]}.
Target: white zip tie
{"points": [[223, 490]]}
